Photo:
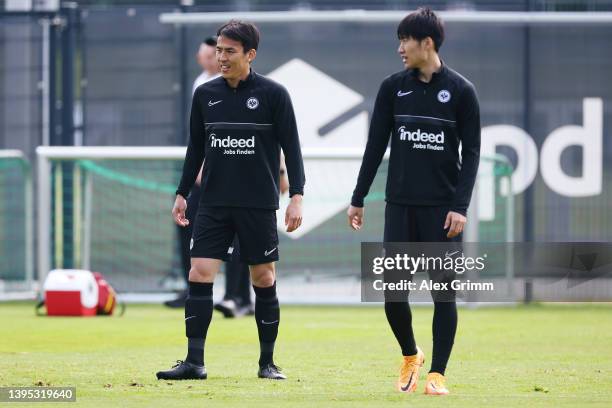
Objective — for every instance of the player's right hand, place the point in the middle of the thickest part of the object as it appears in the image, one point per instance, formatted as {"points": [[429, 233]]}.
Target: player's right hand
{"points": [[178, 211], [355, 217]]}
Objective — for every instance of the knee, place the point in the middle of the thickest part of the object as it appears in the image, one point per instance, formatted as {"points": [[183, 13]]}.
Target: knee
{"points": [[444, 297], [199, 274], [264, 281], [396, 297], [263, 276], [445, 304]]}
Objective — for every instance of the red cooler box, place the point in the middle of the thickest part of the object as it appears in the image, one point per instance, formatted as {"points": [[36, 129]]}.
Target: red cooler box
{"points": [[71, 292]]}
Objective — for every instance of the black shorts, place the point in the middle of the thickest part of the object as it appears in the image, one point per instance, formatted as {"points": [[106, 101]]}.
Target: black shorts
{"points": [[405, 223], [418, 224], [215, 228]]}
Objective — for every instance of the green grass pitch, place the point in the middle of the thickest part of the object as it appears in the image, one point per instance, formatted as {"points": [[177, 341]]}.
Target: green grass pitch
{"points": [[535, 356]]}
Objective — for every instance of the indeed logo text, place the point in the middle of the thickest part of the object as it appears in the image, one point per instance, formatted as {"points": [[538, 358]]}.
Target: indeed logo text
{"points": [[231, 142], [418, 136]]}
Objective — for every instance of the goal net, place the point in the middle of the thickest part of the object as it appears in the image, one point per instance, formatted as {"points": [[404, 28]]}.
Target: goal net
{"points": [[16, 240], [108, 210]]}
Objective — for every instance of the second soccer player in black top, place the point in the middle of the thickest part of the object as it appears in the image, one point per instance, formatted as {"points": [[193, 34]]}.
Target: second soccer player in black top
{"points": [[239, 124], [429, 111]]}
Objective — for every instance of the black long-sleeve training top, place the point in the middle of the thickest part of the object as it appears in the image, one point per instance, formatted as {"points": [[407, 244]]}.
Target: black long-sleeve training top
{"points": [[240, 132], [427, 122]]}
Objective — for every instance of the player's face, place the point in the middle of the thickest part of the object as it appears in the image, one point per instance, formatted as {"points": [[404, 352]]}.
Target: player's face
{"points": [[413, 52], [232, 59]]}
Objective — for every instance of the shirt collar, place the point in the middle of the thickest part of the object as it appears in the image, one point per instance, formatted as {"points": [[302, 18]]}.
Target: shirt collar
{"points": [[414, 72], [247, 81]]}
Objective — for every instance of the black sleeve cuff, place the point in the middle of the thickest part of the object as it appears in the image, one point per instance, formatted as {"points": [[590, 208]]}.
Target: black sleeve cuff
{"points": [[294, 192], [357, 202], [182, 194], [462, 211]]}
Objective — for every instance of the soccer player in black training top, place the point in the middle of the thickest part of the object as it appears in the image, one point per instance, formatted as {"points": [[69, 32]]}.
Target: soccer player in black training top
{"points": [[239, 123], [428, 110]]}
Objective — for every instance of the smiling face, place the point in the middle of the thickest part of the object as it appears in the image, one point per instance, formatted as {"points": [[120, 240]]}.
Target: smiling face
{"points": [[233, 61]]}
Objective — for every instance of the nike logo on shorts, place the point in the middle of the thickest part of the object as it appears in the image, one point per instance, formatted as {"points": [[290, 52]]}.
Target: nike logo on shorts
{"points": [[448, 255], [400, 93], [190, 317], [211, 103], [267, 253]]}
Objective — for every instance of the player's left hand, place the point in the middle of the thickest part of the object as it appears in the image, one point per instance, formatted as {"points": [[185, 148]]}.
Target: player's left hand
{"points": [[454, 223], [355, 217], [293, 215]]}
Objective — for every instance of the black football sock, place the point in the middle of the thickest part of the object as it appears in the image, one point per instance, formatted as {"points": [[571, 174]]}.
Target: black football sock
{"points": [[267, 317], [198, 313], [444, 327], [399, 317]]}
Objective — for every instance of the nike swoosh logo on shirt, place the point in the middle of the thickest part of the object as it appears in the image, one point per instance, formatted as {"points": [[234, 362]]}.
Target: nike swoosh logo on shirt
{"points": [[211, 103], [400, 93]]}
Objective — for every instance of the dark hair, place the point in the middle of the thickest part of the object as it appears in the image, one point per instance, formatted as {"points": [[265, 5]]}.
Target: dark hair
{"points": [[421, 24], [212, 41], [242, 31]]}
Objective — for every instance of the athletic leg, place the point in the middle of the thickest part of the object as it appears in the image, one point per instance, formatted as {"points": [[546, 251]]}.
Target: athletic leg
{"points": [[444, 323], [267, 310], [259, 249], [211, 239], [399, 227], [199, 306]]}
